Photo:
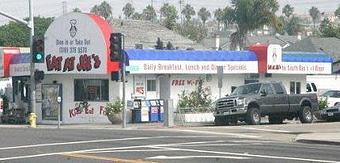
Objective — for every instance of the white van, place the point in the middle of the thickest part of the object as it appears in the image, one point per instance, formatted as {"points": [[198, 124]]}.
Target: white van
{"points": [[321, 83]]}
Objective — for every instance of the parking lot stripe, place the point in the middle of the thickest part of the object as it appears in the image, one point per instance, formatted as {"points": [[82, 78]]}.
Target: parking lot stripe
{"points": [[248, 155], [114, 159], [189, 157]]}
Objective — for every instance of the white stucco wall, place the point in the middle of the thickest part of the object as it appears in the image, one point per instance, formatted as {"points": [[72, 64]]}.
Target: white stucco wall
{"points": [[178, 83], [68, 103]]}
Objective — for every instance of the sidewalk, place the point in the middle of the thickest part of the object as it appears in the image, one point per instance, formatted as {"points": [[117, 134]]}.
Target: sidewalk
{"points": [[319, 138], [155, 125]]}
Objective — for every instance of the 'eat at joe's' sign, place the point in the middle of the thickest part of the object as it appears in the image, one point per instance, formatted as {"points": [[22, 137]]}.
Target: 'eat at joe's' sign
{"points": [[77, 43]]}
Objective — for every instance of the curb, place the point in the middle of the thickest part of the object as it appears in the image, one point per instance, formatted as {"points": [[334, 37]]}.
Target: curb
{"points": [[309, 141]]}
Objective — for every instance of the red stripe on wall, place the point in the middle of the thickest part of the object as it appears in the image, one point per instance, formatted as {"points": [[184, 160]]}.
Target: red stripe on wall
{"points": [[261, 53], [106, 30], [8, 52]]}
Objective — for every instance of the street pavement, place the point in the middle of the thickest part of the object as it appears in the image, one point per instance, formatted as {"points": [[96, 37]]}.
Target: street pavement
{"points": [[154, 143]]}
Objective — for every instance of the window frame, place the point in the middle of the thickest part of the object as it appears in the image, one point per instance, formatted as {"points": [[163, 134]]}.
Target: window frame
{"points": [[103, 95], [153, 87]]}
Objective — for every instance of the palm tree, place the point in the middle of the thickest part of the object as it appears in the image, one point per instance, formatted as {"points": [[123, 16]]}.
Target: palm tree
{"points": [[249, 15], [128, 10], [104, 10], [315, 14], [149, 13], [287, 10], [204, 14], [169, 12], [218, 14], [227, 16], [188, 11]]}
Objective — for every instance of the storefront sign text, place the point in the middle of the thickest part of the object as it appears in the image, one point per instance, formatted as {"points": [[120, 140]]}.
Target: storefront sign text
{"points": [[84, 63], [184, 82], [188, 67], [300, 68], [86, 110]]}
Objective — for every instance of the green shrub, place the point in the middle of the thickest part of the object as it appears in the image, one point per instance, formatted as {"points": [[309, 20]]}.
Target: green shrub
{"points": [[323, 103], [199, 100], [114, 107]]}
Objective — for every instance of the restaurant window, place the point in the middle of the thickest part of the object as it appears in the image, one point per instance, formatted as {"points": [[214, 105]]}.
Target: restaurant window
{"points": [[91, 90], [151, 85], [295, 87]]}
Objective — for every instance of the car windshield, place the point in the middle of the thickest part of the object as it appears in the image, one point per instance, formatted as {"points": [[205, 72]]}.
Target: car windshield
{"points": [[335, 94], [247, 89]]}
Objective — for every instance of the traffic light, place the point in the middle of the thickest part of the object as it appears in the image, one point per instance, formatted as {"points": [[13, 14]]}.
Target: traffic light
{"points": [[39, 75], [116, 47], [116, 76], [38, 50]]}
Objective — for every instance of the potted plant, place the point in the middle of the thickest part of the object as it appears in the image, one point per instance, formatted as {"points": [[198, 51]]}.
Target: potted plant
{"points": [[113, 111]]}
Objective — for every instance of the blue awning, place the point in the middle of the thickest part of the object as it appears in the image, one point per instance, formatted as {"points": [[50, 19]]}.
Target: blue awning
{"points": [[21, 58], [306, 57], [190, 55]]}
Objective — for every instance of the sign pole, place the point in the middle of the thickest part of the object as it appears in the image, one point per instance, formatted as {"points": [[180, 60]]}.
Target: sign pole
{"points": [[219, 77], [32, 67], [124, 84]]}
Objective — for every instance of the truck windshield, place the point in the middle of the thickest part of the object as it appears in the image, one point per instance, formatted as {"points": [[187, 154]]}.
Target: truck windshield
{"points": [[247, 89]]}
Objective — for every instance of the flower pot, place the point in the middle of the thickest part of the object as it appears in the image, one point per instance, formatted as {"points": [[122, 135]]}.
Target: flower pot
{"points": [[115, 118]]}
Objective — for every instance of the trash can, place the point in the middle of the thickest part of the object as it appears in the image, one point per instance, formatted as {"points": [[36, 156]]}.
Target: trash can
{"points": [[161, 110], [136, 111], [154, 111]]}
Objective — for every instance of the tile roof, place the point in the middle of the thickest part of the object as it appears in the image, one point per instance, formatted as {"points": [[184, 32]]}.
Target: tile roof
{"points": [[330, 45], [147, 32]]}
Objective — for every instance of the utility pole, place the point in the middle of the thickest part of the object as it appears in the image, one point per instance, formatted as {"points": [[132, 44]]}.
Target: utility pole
{"points": [[29, 24], [64, 7], [180, 10], [32, 65], [124, 84]]}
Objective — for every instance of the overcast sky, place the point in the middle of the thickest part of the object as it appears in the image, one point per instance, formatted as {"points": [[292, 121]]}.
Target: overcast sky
{"points": [[47, 8]]}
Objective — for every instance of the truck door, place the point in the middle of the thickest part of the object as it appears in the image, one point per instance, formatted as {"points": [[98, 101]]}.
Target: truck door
{"points": [[280, 101], [267, 104]]}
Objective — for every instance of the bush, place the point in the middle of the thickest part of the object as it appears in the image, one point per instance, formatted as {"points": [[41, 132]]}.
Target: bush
{"points": [[323, 103], [113, 108], [198, 100]]}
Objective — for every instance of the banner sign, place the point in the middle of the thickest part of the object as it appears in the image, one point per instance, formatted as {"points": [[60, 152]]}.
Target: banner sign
{"points": [[190, 67]]}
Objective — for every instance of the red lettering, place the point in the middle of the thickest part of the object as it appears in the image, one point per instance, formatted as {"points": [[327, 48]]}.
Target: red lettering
{"points": [[97, 61], [69, 64], [84, 63], [53, 63], [102, 110]]}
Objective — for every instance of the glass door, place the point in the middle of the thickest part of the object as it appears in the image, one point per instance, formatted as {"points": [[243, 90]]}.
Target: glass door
{"points": [[50, 105]]}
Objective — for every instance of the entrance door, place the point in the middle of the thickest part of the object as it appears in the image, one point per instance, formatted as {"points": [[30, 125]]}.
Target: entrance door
{"points": [[50, 105]]}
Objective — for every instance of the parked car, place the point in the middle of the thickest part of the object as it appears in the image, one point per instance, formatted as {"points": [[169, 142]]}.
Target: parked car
{"points": [[331, 113], [250, 102], [333, 97]]}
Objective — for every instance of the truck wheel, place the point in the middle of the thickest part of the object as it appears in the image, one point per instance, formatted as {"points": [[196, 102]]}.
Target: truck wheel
{"points": [[306, 114], [275, 119], [220, 121], [253, 116]]}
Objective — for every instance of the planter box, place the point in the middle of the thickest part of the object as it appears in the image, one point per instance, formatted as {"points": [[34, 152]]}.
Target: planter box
{"points": [[194, 117]]}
